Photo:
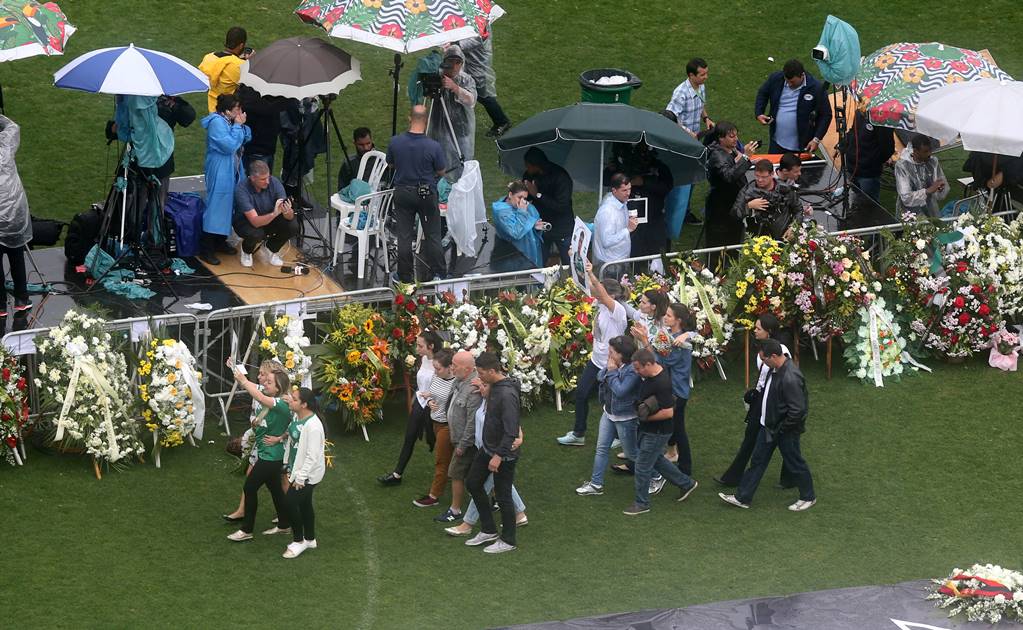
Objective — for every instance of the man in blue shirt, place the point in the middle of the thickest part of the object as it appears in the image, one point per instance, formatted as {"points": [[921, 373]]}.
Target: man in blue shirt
{"points": [[418, 163], [800, 111], [262, 212]]}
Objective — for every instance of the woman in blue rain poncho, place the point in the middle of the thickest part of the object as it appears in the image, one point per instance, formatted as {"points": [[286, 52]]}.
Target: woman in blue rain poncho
{"points": [[226, 132], [519, 228]]}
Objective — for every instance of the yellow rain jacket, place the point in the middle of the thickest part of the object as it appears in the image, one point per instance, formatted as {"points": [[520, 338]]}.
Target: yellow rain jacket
{"points": [[224, 71]]}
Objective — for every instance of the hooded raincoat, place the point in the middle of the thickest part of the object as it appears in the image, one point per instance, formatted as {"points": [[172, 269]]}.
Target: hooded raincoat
{"points": [[516, 228], [15, 222], [224, 140], [224, 71], [461, 109]]}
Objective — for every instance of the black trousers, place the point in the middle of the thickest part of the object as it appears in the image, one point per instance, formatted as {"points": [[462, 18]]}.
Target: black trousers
{"points": [[267, 474], [733, 475], [494, 110], [679, 437], [417, 427], [503, 480], [276, 233], [407, 206], [300, 513], [16, 258]]}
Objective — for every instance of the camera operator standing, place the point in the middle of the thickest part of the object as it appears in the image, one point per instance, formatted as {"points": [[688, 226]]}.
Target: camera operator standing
{"points": [[418, 163], [766, 206], [15, 222], [457, 98]]}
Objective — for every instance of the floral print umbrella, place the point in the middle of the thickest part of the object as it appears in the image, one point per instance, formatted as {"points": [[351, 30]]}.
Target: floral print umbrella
{"points": [[29, 28], [891, 80], [402, 25]]}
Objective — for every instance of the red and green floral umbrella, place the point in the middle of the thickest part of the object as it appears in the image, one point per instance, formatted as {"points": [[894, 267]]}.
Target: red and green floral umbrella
{"points": [[401, 25], [29, 28], [891, 80]]}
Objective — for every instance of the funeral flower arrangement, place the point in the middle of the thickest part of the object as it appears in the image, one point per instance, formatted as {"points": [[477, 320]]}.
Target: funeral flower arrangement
{"points": [[874, 348], [983, 592], [827, 281], [756, 282], [1004, 350], [568, 314], [85, 382], [991, 247], [284, 340], [172, 399], [13, 406], [410, 315], [353, 363]]}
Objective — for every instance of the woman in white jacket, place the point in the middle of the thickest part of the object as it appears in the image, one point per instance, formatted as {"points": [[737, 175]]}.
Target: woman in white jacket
{"points": [[305, 461]]}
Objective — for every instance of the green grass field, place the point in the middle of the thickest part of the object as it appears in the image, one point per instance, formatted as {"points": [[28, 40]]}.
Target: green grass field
{"points": [[913, 479]]}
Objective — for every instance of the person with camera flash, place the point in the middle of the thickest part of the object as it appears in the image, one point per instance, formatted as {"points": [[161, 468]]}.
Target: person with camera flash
{"points": [[262, 214], [454, 103], [766, 207]]}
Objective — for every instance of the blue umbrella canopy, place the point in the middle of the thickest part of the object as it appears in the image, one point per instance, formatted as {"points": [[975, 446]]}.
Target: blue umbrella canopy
{"points": [[579, 136], [130, 70]]}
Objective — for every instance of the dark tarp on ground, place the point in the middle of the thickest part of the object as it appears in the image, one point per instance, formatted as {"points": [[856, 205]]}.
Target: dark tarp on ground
{"points": [[893, 607]]}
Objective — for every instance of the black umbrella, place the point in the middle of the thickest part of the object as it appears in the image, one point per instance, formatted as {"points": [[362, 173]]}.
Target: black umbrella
{"points": [[576, 137], [300, 67]]}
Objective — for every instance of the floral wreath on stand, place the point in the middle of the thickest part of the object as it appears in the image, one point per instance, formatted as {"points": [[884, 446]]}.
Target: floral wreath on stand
{"points": [[171, 395], [13, 407], [569, 317], [756, 283], [285, 340]]}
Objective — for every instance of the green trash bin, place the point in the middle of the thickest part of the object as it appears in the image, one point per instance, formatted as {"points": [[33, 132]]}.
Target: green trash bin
{"points": [[594, 92]]}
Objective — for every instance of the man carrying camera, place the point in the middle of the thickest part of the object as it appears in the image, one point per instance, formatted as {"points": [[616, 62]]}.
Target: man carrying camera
{"points": [[766, 207], [262, 212], [224, 68], [418, 163], [454, 102]]}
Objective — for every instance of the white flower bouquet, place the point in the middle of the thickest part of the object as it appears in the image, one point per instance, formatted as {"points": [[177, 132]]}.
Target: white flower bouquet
{"points": [[85, 381], [875, 349], [285, 340], [984, 592], [172, 399]]}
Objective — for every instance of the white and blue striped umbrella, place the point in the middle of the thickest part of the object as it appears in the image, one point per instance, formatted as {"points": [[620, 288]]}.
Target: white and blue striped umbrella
{"points": [[131, 70]]}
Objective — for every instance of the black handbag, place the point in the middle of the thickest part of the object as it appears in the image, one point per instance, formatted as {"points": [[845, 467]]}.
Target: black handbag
{"points": [[45, 232]]}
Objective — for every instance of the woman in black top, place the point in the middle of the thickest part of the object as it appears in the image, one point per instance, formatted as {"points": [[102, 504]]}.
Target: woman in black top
{"points": [[726, 174]]}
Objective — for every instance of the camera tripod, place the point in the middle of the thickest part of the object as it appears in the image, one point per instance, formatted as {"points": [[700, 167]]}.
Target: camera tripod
{"points": [[436, 96]]}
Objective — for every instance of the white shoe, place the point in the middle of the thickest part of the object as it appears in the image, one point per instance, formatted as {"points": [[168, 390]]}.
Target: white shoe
{"points": [[310, 544], [276, 530], [276, 260], [801, 505], [294, 550], [589, 488], [616, 443], [731, 500], [656, 485], [480, 539], [239, 536], [571, 439], [499, 547], [245, 259]]}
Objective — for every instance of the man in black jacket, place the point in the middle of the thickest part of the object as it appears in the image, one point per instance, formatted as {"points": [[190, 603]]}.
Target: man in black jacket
{"points": [[497, 456], [800, 111], [765, 205], [550, 190], [782, 419], [868, 148]]}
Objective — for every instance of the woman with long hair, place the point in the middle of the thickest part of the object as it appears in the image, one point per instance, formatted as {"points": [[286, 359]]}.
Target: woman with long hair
{"points": [[306, 463], [767, 326], [519, 241], [727, 165], [419, 424], [270, 426]]}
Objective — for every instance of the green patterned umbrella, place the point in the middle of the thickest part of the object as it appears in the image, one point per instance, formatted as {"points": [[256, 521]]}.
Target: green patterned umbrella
{"points": [[401, 25], [891, 80], [29, 28]]}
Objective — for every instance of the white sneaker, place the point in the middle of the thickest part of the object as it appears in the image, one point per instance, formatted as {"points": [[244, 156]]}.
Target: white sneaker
{"points": [[499, 547], [616, 443], [731, 500], [588, 489], [276, 260], [294, 550], [245, 259], [801, 505], [480, 539], [239, 536], [276, 530], [571, 439], [656, 485], [310, 544]]}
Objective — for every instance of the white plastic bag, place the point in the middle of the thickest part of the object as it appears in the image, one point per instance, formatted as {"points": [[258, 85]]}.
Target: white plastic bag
{"points": [[466, 208]]}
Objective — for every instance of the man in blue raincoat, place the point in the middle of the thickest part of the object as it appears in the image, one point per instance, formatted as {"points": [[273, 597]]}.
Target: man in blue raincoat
{"points": [[226, 132]]}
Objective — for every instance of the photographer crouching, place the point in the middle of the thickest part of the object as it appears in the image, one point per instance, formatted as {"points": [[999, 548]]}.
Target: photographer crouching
{"points": [[766, 206], [454, 102], [262, 213]]}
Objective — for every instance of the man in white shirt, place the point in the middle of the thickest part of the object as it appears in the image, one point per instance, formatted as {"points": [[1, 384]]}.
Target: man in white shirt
{"points": [[613, 226]]}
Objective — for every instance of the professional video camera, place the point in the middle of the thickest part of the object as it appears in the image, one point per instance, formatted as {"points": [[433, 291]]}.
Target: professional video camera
{"points": [[432, 83]]}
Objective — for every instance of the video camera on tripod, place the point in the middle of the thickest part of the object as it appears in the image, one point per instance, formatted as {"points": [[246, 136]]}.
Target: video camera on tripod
{"points": [[432, 83]]}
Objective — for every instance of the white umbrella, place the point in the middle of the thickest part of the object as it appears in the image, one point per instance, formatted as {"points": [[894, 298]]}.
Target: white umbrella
{"points": [[986, 113]]}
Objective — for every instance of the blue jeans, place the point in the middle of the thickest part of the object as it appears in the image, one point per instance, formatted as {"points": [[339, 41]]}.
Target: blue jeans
{"points": [[871, 186], [472, 515], [626, 432], [788, 445], [650, 457], [585, 387]]}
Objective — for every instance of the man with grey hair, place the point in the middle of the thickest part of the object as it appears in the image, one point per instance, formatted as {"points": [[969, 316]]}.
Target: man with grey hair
{"points": [[463, 402], [262, 213]]}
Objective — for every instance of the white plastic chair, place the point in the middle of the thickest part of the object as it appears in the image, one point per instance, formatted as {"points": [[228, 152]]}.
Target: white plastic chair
{"points": [[376, 206], [373, 178]]}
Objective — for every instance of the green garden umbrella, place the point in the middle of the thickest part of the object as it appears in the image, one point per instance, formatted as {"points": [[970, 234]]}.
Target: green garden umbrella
{"points": [[891, 80], [31, 28], [579, 136]]}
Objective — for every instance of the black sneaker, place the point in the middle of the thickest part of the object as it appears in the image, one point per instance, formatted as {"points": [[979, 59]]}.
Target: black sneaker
{"points": [[498, 130], [224, 248], [390, 479], [448, 517], [635, 510], [209, 258]]}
